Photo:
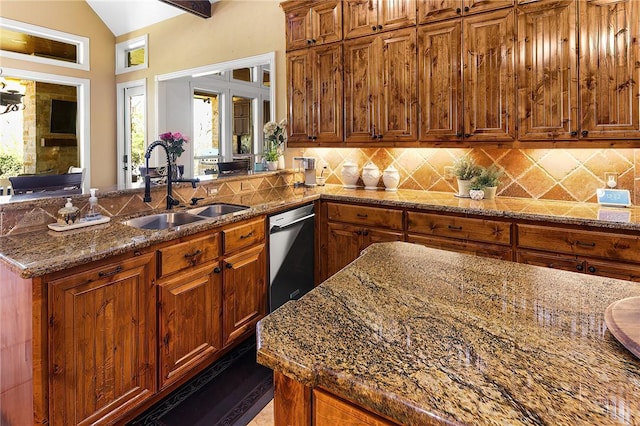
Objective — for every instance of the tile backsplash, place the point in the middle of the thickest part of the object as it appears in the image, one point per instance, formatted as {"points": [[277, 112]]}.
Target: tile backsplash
{"points": [[552, 174]]}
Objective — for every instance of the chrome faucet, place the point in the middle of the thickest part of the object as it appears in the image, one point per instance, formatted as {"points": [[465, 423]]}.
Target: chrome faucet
{"points": [[147, 179]]}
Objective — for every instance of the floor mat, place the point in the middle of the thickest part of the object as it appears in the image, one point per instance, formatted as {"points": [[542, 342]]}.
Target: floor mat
{"points": [[230, 393]]}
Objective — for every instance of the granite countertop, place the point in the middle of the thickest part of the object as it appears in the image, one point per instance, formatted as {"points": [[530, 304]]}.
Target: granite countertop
{"points": [[419, 334], [39, 252]]}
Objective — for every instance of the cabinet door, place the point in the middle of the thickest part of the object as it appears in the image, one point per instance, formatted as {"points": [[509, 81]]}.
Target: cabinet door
{"points": [[437, 10], [343, 246], [300, 97], [621, 271], [488, 76], [244, 292], [394, 14], [298, 29], [327, 102], [326, 22], [329, 410], [397, 101], [360, 17], [475, 6], [548, 72], [372, 235], [189, 319], [361, 77], [102, 342], [609, 71], [440, 81]]}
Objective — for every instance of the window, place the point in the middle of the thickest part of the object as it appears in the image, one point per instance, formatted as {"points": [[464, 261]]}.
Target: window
{"points": [[27, 42], [132, 55], [206, 132]]}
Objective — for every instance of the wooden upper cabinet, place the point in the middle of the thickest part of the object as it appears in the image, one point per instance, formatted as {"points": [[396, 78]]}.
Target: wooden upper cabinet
{"points": [[380, 88], [102, 348], [610, 69], [548, 71], [312, 23], [366, 17], [437, 10], [488, 76], [315, 95], [440, 82]]}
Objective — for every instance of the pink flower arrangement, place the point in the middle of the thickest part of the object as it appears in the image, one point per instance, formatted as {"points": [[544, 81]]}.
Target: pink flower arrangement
{"points": [[174, 142]]}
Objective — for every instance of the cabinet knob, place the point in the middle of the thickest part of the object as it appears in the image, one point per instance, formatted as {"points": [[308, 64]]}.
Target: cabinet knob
{"points": [[379, 27], [228, 266], [365, 232], [579, 267], [217, 270], [458, 135], [574, 133], [458, 10], [592, 269], [310, 137], [373, 27], [379, 136], [314, 138], [358, 232], [466, 8], [308, 41], [467, 135], [314, 41], [585, 133]]}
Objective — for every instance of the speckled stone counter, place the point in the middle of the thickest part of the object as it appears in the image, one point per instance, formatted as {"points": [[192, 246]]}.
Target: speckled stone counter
{"points": [[417, 335], [39, 252]]}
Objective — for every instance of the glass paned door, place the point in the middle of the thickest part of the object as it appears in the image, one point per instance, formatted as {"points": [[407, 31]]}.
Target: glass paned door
{"points": [[206, 132], [134, 134]]}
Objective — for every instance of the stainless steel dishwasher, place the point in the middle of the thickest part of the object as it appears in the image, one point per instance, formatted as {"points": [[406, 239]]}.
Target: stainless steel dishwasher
{"points": [[291, 252]]}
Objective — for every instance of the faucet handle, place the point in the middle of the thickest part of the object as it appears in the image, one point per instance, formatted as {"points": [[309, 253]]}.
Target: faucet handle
{"points": [[195, 200]]}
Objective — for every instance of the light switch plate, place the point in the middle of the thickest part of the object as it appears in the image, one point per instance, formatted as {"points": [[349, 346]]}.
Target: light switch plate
{"points": [[614, 197]]}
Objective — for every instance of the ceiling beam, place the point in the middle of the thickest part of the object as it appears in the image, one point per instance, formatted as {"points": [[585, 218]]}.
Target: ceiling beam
{"points": [[200, 8]]}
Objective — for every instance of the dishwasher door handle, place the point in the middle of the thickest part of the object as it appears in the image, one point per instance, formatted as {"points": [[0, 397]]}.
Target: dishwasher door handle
{"points": [[278, 228]]}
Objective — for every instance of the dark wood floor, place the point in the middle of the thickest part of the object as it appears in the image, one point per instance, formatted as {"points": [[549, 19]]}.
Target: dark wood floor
{"points": [[230, 392]]}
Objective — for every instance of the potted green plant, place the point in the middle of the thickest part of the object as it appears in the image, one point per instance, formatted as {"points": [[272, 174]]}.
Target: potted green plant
{"points": [[488, 181], [275, 137], [465, 169]]}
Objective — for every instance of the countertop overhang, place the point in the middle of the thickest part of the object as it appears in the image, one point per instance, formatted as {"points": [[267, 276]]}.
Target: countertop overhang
{"points": [[418, 334], [39, 252]]}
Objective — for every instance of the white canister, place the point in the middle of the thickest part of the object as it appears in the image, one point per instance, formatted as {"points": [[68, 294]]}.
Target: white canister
{"points": [[391, 178], [370, 176], [349, 174]]}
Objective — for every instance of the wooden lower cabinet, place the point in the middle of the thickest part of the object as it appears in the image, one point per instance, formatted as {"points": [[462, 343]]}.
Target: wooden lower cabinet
{"points": [[189, 321], [329, 410], [244, 292], [102, 348], [468, 247], [345, 242]]}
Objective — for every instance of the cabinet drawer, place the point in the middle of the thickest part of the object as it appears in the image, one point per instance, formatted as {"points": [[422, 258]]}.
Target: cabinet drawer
{"points": [[586, 243], [462, 228], [189, 253], [243, 235], [371, 216], [477, 249]]}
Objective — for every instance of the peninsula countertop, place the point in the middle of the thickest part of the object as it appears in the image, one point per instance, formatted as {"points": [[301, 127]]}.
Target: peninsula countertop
{"points": [[43, 251], [422, 335]]}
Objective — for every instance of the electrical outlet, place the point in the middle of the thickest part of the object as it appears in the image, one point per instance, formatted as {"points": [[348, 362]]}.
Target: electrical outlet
{"points": [[611, 179], [212, 191], [448, 172]]}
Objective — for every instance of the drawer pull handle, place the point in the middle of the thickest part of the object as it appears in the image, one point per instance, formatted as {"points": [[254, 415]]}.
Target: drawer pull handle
{"points": [[103, 274], [194, 254], [583, 244], [455, 228], [242, 237], [363, 215]]}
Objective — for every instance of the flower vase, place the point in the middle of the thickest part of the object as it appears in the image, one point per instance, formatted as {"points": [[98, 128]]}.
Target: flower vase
{"points": [[281, 165], [463, 188]]}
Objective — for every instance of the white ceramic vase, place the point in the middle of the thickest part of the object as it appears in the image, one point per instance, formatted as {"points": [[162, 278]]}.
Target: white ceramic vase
{"points": [[490, 192], [476, 194], [463, 188], [370, 176], [349, 174], [281, 165], [272, 165], [391, 178]]}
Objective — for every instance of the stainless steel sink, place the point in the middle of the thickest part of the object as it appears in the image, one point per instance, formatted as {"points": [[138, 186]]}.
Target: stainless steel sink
{"points": [[163, 220], [215, 210]]}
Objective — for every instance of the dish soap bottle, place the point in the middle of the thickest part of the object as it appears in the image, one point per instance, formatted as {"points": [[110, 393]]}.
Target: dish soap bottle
{"points": [[69, 214], [93, 213]]}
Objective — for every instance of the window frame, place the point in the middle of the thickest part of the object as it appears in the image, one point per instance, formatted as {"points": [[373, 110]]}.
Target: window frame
{"points": [[125, 46], [81, 43]]}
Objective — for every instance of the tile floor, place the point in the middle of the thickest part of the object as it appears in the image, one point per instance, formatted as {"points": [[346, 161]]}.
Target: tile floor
{"points": [[264, 417]]}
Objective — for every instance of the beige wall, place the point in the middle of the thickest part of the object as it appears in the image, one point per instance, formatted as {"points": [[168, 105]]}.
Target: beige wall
{"points": [[237, 29]]}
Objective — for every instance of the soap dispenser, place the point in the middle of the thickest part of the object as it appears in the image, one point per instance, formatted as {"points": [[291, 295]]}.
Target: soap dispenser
{"points": [[69, 214], [93, 213]]}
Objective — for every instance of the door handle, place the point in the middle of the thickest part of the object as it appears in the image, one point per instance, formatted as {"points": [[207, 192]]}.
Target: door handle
{"points": [[278, 228]]}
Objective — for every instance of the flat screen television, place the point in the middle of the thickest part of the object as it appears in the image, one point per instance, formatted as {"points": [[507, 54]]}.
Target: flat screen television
{"points": [[63, 116]]}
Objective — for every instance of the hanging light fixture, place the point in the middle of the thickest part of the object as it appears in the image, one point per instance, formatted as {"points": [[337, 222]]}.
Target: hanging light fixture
{"points": [[11, 99]]}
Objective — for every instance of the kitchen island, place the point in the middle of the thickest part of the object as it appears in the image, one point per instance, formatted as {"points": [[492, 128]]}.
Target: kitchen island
{"points": [[421, 336]]}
